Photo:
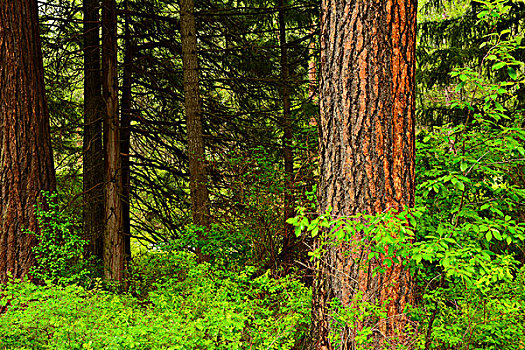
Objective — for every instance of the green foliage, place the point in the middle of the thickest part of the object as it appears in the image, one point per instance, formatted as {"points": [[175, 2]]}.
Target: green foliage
{"points": [[59, 250], [352, 317], [387, 237], [471, 235], [476, 318], [182, 305], [251, 212]]}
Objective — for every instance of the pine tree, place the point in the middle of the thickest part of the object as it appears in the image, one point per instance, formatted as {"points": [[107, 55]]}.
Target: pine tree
{"points": [[26, 157], [367, 154]]}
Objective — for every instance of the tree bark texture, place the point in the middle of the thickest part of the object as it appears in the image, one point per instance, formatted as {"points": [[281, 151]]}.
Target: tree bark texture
{"points": [[93, 154], [312, 70], [193, 108], [125, 136], [367, 151], [26, 157], [114, 254], [289, 201]]}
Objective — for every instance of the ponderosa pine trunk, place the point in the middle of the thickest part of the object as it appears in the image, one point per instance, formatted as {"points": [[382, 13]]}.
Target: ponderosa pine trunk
{"points": [[114, 249], [367, 151], [93, 155], [26, 157], [192, 105]]}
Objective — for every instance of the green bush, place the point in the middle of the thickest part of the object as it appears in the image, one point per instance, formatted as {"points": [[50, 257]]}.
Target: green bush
{"points": [[190, 306], [59, 250]]}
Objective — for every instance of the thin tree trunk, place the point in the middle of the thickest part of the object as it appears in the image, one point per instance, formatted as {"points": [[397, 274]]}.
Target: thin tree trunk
{"points": [[312, 76], [114, 254], [125, 136], [26, 158], [193, 108], [289, 200], [93, 156], [367, 152]]}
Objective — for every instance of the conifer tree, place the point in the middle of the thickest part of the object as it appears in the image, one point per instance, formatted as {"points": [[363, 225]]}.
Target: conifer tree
{"points": [[26, 159], [367, 155]]}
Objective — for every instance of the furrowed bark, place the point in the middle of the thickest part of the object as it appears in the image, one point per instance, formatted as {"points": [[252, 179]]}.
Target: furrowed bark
{"points": [[192, 105], [26, 158], [125, 137], [367, 151], [93, 155], [114, 254]]}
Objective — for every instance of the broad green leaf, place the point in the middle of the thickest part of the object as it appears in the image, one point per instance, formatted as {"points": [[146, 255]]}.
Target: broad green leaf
{"points": [[499, 65], [460, 86], [512, 73]]}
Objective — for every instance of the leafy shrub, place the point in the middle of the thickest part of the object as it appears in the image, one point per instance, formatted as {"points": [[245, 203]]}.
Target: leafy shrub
{"points": [[190, 306], [471, 235], [59, 250]]}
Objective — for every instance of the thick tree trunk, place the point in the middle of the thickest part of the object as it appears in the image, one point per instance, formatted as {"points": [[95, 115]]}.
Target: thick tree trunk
{"points": [[114, 249], [286, 121], [125, 137], [367, 153], [193, 108], [26, 159], [93, 156]]}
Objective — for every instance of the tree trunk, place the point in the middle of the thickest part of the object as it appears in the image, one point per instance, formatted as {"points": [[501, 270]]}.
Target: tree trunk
{"points": [[312, 70], [25, 146], [192, 106], [312, 75], [114, 254], [289, 200], [93, 156], [367, 151], [125, 136]]}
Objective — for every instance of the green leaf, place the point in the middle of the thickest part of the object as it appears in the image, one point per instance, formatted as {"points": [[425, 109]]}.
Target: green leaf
{"points": [[512, 73], [485, 206], [499, 65], [483, 228], [488, 236], [291, 221], [483, 14], [460, 86], [463, 166]]}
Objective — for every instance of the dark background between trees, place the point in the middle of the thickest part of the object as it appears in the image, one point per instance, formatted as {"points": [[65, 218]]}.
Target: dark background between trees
{"points": [[253, 102]]}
